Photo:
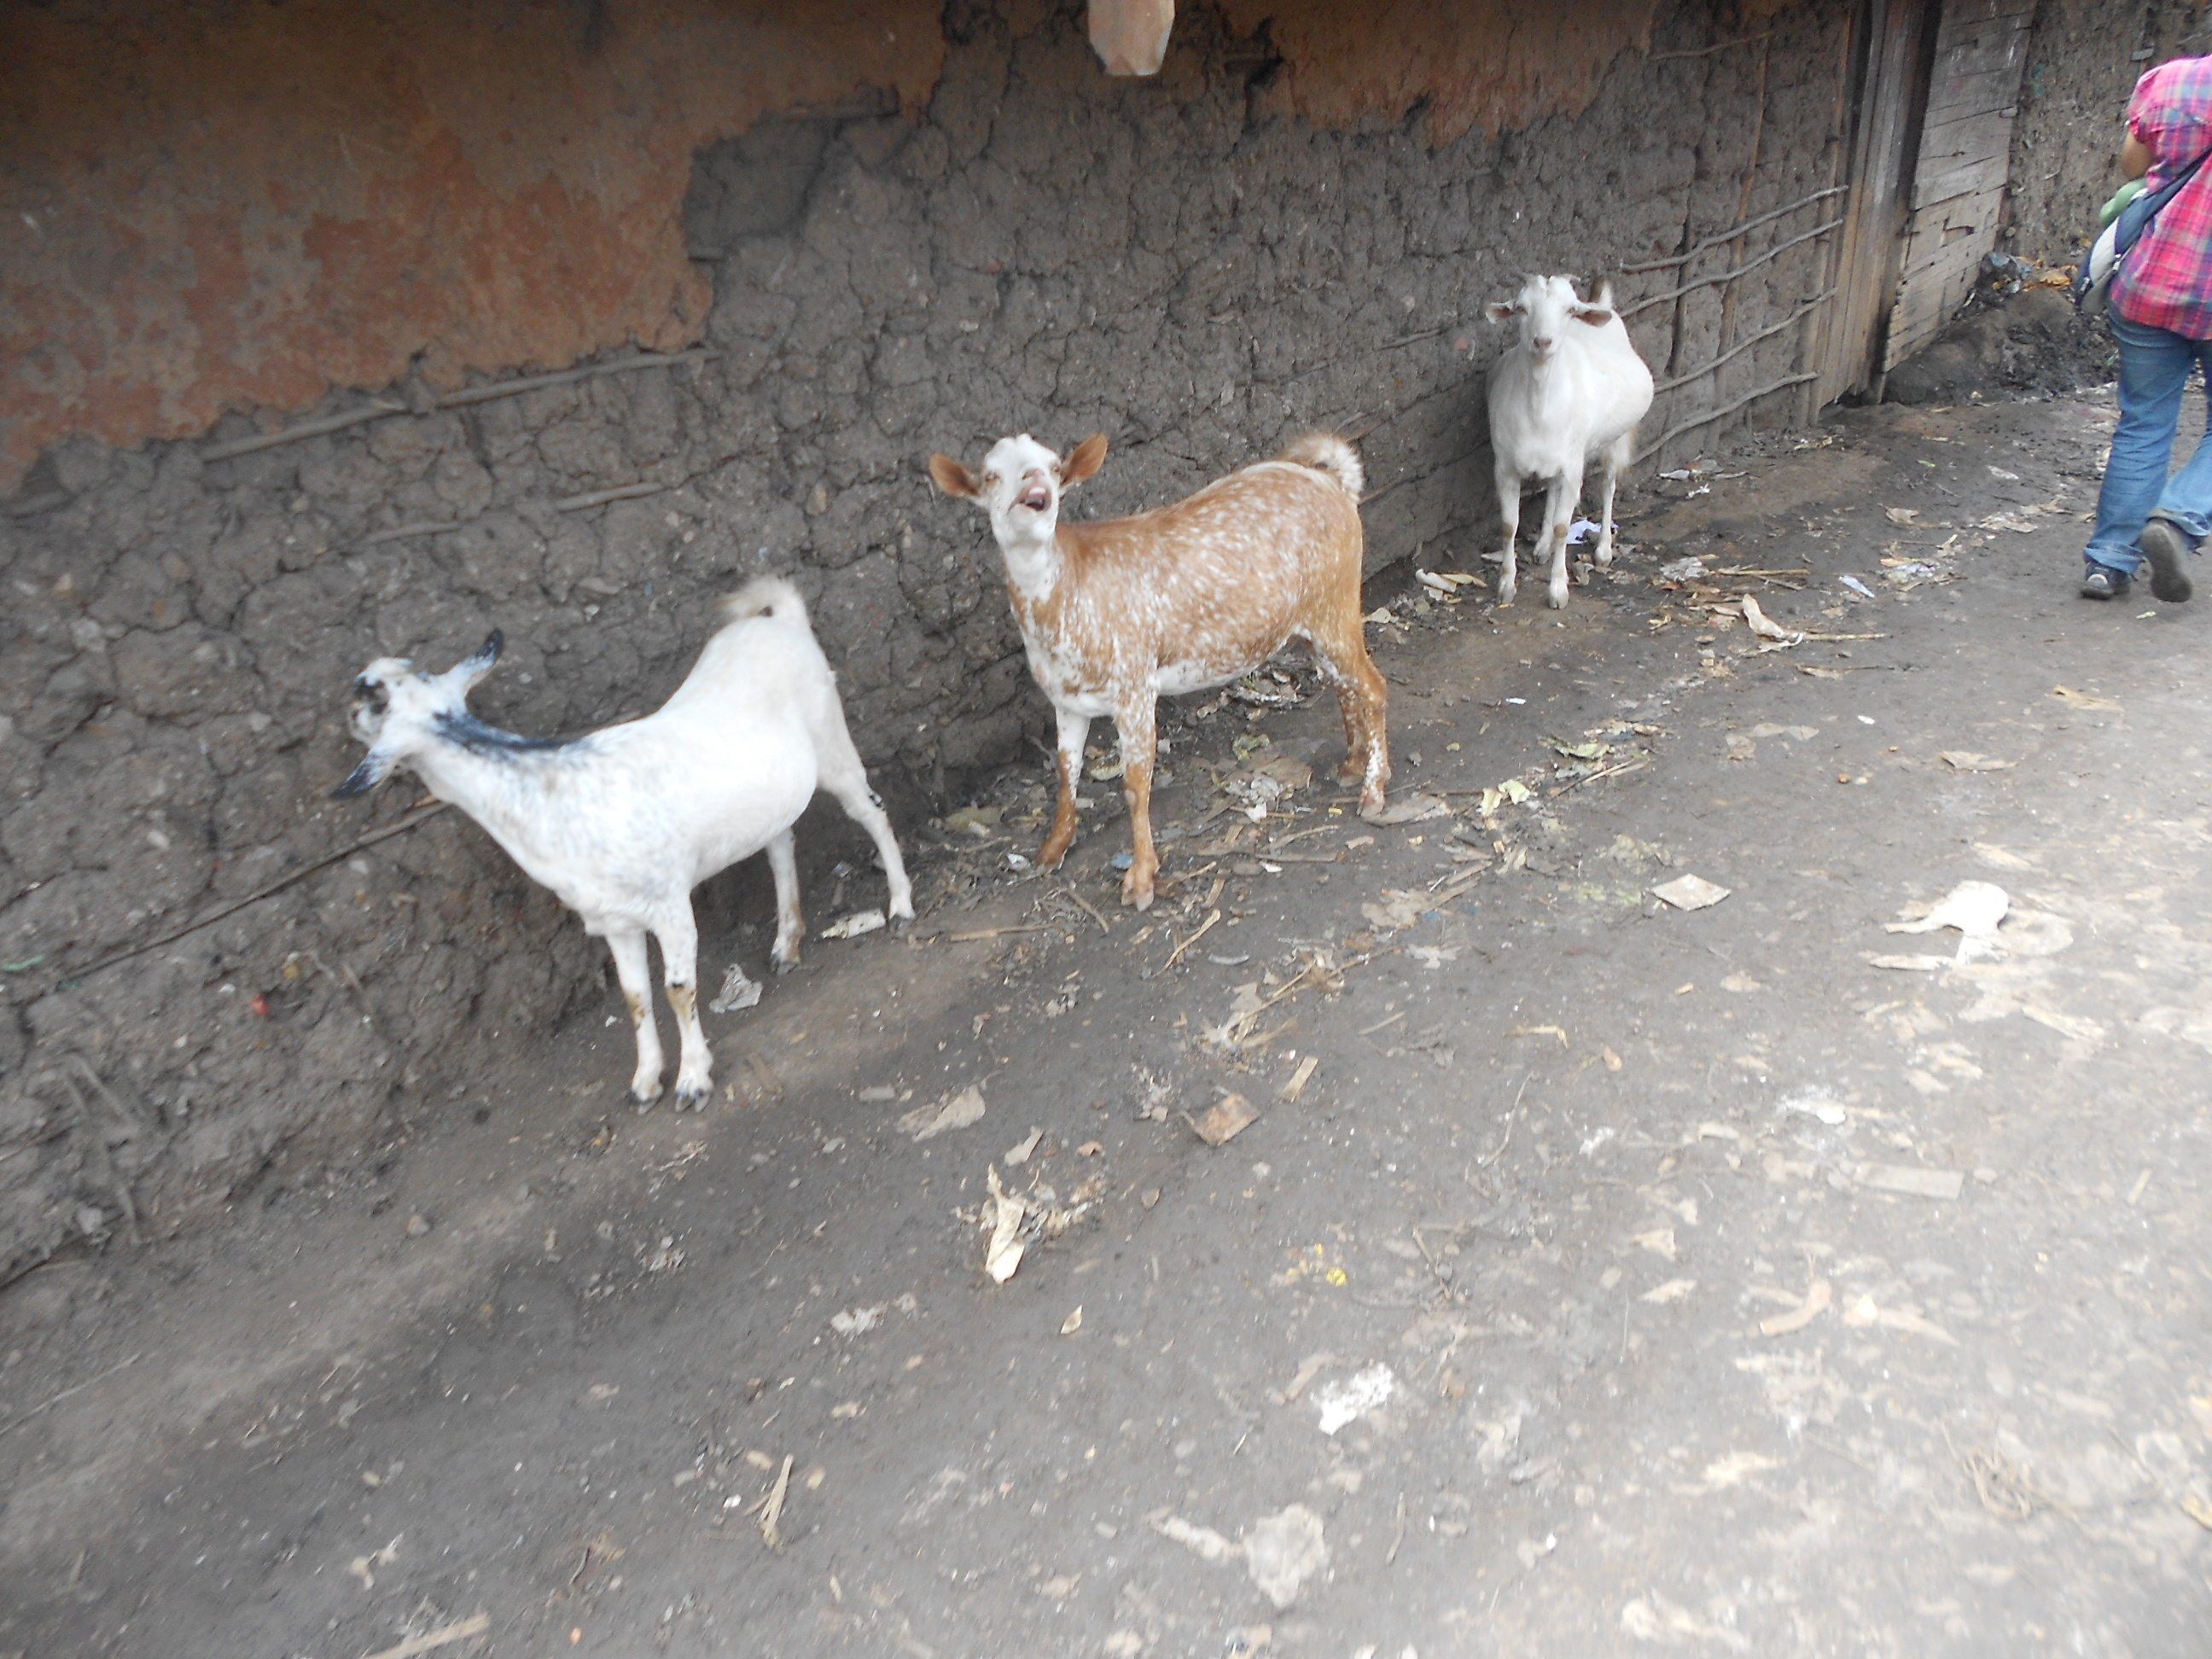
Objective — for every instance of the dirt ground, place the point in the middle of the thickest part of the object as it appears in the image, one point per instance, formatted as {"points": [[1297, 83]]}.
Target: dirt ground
{"points": [[1598, 1276]]}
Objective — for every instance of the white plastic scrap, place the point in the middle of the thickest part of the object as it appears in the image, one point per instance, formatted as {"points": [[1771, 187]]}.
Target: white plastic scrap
{"points": [[738, 991], [1340, 1403], [1975, 909], [859, 922]]}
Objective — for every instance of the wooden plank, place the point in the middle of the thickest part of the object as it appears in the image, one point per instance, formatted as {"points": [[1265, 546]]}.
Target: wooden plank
{"points": [[1988, 173]]}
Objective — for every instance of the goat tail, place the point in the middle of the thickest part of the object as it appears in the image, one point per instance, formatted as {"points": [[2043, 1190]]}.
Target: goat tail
{"points": [[764, 596], [1326, 453]]}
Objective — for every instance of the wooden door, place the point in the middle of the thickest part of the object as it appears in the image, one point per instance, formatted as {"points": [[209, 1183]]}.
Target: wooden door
{"points": [[1964, 157], [1889, 73]]}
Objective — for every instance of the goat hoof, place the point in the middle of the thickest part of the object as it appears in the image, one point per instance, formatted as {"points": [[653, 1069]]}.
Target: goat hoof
{"points": [[784, 964], [692, 1100], [902, 926]]}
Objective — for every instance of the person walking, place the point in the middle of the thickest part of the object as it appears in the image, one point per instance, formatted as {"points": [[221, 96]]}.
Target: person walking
{"points": [[2161, 316]]}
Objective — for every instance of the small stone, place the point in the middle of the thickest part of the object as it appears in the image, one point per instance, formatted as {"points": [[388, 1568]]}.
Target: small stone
{"points": [[417, 1226]]}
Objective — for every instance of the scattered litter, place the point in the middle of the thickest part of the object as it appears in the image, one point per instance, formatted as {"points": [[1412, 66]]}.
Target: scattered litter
{"points": [[1558, 1031], [1960, 760], [1864, 1312], [1901, 514], [977, 820], [1735, 1468], [1018, 1153], [1655, 1619], [459, 1630], [1511, 792], [1818, 1297], [1283, 1551], [1004, 1253], [927, 1122], [1905, 964], [1974, 908], [1433, 955], [1016, 861], [1856, 586], [1672, 1290], [2013, 521], [1340, 1403], [1228, 1117], [1740, 983], [2009, 478], [1814, 1102], [1682, 570], [2073, 699], [363, 1567], [2080, 1027], [854, 1320], [1237, 961], [773, 1512], [1690, 892], [859, 922], [1582, 529], [1444, 584], [1299, 1079], [1911, 1178], [1794, 733], [1399, 910], [1416, 808], [1659, 1241], [738, 993], [1073, 1322], [878, 1091], [1765, 627], [1203, 1541]]}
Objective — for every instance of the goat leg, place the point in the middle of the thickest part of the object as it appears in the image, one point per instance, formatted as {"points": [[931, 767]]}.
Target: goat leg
{"points": [[678, 934], [1559, 502], [1074, 730], [1138, 733], [1617, 455], [790, 923], [629, 947], [1509, 511], [840, 772]]}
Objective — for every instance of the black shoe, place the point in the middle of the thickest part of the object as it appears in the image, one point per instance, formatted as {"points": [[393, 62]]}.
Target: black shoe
{"points": [[2169, 550], [2101, 582]]}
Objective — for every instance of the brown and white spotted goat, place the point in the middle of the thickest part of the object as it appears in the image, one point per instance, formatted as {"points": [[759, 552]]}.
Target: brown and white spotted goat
{"points": [[1116, 611]]}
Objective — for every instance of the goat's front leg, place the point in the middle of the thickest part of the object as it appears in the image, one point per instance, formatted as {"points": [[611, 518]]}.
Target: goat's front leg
{"points": [[790, 923], [1617, 456], [1137, 725], [678, 934], [1560, 505], [630, 968], [1074, 729], [1508, 510]]}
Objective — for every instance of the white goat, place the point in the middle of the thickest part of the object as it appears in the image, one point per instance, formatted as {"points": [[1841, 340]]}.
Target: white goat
{"points": [[622, 824], [1569, 392]]}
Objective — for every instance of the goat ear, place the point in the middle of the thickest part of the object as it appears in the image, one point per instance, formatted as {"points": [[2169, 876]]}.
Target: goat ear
{"points": [[953, 478], [1504, 311], [1089, 455], [375, 766], [1597, 316], [472, 670]]}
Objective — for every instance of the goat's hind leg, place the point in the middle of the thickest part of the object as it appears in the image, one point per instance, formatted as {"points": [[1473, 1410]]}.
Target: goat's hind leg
{"points": [[1616, 457], [790, 922], [678, 934], [839, 770], [631, 968]]}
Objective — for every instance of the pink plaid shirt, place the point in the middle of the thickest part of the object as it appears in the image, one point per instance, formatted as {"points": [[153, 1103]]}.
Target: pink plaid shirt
{"points": [[2165, 281]]}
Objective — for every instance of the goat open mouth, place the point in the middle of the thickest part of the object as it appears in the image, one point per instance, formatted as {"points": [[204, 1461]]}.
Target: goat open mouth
{"points": [[1037, 498]]}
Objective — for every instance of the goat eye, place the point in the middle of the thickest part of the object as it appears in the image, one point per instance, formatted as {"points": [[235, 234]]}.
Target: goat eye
{"points": [[990, 480]]}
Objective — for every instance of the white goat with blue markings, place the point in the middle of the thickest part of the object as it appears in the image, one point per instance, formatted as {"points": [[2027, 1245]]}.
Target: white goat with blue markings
{"points": [[622, 822]]}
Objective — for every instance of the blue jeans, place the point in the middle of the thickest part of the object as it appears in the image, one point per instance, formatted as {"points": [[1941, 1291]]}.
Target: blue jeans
{"points": [[2155, 367]]}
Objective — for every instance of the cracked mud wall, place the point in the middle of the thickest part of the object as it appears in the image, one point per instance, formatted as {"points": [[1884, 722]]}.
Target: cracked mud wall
{"points": [[1199, 265], [2085, 56]]}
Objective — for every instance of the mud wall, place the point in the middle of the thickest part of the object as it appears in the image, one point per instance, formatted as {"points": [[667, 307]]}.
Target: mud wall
{"points": [[1198, 265], [2085, 58]]}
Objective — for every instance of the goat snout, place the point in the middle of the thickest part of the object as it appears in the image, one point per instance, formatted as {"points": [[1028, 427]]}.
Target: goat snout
{"points": [[1036, 495]]}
